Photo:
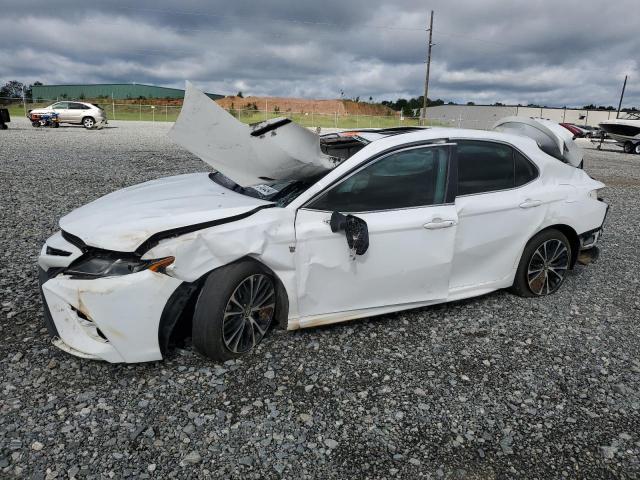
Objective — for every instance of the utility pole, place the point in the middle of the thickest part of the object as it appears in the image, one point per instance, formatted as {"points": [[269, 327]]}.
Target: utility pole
{"points": [[624, 85], [426, 80]]}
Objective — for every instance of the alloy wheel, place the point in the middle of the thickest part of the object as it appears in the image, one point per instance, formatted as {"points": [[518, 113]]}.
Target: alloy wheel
{"points": [[248, 313], [88, 122], [548, 267]]}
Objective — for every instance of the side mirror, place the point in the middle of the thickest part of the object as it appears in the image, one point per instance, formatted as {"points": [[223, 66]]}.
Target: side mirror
{"points": [[355, 230]]}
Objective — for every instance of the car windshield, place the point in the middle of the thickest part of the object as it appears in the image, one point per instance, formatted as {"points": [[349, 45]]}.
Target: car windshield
{"points": [[282, 192]]}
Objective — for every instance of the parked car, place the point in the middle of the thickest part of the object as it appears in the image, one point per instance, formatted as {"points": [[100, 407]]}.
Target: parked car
{"points": [[577, 132], [4, 118], [296, 230], [88, 115], [589, 131]]}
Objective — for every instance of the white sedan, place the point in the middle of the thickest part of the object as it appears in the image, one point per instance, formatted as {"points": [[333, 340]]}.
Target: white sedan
{"points": [[295, 230]]}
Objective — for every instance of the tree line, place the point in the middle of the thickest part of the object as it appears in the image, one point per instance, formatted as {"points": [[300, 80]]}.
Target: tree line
{"points": [[408, 107], [15, 89]]}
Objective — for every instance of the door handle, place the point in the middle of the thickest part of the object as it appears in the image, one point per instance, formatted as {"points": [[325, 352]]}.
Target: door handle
{"points": [[528, 203], [438, 223]]}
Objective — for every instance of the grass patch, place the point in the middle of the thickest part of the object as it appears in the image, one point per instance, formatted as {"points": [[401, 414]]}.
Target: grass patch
{"points": [[170, 113]]}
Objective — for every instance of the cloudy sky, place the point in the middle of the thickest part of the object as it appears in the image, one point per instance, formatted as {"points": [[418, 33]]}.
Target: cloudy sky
{"points": [[570, 52]]}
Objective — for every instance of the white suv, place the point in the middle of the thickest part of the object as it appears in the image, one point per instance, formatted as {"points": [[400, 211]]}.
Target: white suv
{"points": [[88, 115]]}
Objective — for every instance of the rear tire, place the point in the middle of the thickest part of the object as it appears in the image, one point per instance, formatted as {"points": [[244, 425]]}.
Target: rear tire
{"points": [[35, 124], [544, 264], [235, 308], [637, 149], [88, 122], [628, 147]]}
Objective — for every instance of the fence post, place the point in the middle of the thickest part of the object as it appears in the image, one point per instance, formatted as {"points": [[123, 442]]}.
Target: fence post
{"points": [[335, 116], [166, 113], [140, 109], [24, 102]]}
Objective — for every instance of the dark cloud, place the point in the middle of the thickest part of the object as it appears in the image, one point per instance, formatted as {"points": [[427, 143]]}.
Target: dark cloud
{"points": [[547, 52]]}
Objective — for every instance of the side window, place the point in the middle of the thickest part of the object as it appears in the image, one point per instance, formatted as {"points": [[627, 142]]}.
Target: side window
{"points": [[525, 170], [60, 106], [410, 178], [489, 167], [77, 106]]}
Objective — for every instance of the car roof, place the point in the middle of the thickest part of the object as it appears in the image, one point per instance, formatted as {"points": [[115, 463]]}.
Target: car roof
{"points": [[399, 136], [372, 134]]}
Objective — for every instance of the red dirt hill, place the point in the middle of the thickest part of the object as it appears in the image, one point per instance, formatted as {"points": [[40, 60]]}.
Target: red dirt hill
{"points": [[301, 105]]}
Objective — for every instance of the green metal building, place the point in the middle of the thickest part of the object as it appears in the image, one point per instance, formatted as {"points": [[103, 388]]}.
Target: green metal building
{"points": [[117, 91]]}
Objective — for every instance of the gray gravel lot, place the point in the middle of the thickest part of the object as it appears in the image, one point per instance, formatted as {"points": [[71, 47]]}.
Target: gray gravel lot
{"points": [[493, 387]]}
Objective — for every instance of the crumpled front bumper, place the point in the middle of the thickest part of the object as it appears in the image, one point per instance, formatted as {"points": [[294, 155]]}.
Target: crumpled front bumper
{"points": [[114, 318]]}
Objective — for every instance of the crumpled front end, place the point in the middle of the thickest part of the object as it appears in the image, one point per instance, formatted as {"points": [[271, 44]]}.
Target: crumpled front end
{"points": [[113, 318]]}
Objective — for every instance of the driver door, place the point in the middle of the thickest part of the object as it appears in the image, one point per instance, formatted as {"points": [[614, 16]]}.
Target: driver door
{"points": [[406, 200], [62, 109]]}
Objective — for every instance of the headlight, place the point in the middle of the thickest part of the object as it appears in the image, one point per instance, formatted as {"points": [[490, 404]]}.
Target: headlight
{"points": [[108, 266]]}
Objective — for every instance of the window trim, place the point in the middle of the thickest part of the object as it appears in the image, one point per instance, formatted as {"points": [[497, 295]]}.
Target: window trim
{"points": [[451, 184], [513, 147]]}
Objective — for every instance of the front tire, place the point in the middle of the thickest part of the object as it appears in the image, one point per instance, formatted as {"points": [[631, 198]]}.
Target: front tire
{"points": [[234, 310], [544, 264], [628, 147], [88, 123], [637, 149]]}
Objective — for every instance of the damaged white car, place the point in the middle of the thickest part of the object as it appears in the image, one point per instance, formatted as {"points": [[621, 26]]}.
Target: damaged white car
{"points": [[295, 230]]}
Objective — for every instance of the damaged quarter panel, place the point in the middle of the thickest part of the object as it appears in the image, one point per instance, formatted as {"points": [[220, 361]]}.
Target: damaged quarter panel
{"points": [[267, 236]]}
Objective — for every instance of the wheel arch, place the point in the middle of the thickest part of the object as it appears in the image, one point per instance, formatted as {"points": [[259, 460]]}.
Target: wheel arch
{"points": [[571, 235], [177, 315]]}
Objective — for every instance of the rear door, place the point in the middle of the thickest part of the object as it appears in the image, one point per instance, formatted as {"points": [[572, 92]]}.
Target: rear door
{"points": [[499, 206], [76, 112], [404, 199]]}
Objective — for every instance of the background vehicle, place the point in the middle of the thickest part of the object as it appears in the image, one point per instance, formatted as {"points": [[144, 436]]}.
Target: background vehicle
{"points": [[45, 120], [88, 115], [4, 118], [625, 131], [577, 132], [589, 131]]}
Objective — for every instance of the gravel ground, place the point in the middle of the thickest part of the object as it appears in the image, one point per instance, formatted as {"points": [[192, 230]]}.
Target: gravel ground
{"points": [[493, 387]]}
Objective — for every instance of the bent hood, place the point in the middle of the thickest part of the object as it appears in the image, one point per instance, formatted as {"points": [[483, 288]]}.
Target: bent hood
{"points": [[265, 152], [123, 220]]}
